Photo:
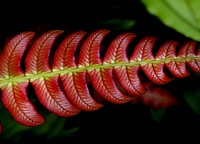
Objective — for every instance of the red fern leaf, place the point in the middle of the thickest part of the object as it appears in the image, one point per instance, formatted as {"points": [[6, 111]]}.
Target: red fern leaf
{"points": [[14, 96], [63, 89]]}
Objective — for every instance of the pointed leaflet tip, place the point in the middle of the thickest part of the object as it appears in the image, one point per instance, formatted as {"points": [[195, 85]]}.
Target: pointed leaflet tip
{"points": [[143, 50], [37, 58], [15, 100], [65, 54], [12, 54], [53, 98], [89, 52], [76, 89]]}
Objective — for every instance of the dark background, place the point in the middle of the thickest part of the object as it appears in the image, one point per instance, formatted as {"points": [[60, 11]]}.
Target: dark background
{"points": [[17, 16], [127, 123]]}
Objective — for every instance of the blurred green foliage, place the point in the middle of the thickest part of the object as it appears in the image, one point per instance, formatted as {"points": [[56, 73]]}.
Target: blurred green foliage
{"points": [[193, 100], [54, 127], [181, 15]]}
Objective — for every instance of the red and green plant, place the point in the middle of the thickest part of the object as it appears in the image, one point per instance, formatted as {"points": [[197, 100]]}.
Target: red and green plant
{"points": [[61, 85]]}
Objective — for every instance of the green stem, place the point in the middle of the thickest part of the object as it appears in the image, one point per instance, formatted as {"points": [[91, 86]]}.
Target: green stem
{"points": [[41, 75]]}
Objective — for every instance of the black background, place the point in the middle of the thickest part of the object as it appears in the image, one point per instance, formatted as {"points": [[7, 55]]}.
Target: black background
{"points": [[18, 16], [113, 123]]}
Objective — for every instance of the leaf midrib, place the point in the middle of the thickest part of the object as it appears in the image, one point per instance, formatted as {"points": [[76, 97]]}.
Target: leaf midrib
{"points": [[61, 71]]}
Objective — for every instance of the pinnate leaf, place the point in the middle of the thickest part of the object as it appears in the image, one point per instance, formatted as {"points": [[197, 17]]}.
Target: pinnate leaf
{"points": [[80, 78]]}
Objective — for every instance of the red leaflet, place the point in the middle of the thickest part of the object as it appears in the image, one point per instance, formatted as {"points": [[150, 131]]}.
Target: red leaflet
{"points": [[47, 88], [11, 57], [14, 96], [89, 52], [15, 100], [116, 53], [177, 68], [156, 97], [74, 83], [143, 53], [37, 58], [101, 79], [64, 57], [187, 50]]}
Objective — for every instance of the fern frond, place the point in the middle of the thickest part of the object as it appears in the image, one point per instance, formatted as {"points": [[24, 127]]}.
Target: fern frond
{"points": [[63, 87]]}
